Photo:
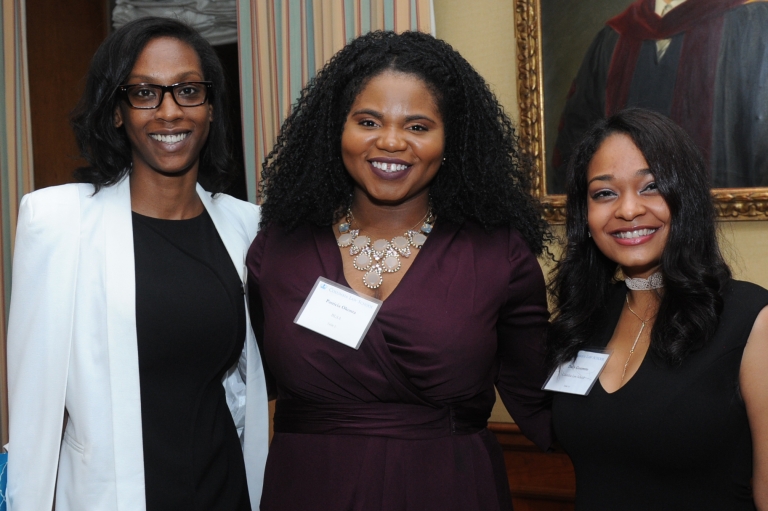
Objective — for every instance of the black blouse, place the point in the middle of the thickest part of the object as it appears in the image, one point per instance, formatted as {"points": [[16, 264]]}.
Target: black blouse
{"points": [[190, 321], [673, 437]]}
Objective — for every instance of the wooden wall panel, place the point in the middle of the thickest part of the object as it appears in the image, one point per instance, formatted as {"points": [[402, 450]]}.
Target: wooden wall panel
{"points": [[61, 39], [538, 481]]}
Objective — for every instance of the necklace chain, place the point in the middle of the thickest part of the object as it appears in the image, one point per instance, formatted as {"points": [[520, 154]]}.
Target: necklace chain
{"points": [[381, 256], [634, 344], [351, 218]]}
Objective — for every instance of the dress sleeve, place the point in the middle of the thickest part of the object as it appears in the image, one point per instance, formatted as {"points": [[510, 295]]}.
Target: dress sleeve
{"points": [[39, 341], [255, 304], [521, 330]]}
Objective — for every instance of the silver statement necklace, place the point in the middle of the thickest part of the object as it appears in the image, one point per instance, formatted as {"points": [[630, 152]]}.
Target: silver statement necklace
{"points": [[381, 256], [655, 281]]}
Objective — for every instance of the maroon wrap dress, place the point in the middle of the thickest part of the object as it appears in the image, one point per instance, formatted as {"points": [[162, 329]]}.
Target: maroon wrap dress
{"points": [[399, 424]]}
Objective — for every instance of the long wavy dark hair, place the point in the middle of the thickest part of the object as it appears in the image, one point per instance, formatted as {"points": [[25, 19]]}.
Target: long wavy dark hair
{"points": [[484, 177], [692, 265], [105, 147]]}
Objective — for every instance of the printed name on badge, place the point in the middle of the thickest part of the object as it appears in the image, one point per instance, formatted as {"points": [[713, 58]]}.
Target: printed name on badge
{"points": [[579, 375], [338, 312]]}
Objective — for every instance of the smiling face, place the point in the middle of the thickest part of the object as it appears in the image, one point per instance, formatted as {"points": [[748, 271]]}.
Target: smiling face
{"points": [[628, 218], [393, 139], [169, 138]]}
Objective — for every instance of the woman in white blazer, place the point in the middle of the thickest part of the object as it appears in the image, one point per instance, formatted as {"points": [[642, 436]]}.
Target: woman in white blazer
{"points": [[128, 330]]}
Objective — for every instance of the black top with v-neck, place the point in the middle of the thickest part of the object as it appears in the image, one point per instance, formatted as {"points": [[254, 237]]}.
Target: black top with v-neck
{"points": [[672, 438], [190, 322]]}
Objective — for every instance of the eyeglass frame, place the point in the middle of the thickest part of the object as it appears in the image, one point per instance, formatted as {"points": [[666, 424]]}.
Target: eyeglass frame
{"points": [[123, 90]]}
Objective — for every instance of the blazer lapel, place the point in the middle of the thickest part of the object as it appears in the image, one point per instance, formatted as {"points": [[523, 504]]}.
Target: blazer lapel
{"points": [[123, 347], [234, 242], [256, 433]]}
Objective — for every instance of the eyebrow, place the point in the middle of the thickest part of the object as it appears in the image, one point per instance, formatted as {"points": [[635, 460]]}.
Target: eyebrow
{"points": [[609, 177], [379, 115], [179, 78]]}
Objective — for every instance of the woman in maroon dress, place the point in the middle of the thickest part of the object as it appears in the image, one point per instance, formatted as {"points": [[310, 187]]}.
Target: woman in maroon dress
{"points": [[398, 175]]}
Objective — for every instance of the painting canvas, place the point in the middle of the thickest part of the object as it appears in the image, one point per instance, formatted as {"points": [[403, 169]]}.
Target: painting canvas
{"points": [[703, 63]]}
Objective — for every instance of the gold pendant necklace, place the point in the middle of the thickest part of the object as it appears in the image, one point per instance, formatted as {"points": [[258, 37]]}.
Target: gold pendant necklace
{"points": [[381, 256], [634, 344]]}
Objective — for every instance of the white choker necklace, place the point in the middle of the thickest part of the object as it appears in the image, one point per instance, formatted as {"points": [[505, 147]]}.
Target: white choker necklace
{"points": [[655, 281]]}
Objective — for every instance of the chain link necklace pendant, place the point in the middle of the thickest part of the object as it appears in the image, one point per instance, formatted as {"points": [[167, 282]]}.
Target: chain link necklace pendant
{"points": [[643, 322]]}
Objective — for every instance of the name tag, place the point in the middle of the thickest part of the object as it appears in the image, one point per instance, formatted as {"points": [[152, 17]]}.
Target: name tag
{"points": [[338, 312], [579, 375]]}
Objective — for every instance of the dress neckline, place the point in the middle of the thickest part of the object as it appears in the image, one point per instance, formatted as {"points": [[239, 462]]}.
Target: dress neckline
{"points": [[627, 382], [168, 220], [606, 338]]}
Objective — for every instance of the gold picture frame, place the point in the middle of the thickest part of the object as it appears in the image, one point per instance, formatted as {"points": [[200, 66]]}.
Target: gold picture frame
{"points": [[731, 203]]}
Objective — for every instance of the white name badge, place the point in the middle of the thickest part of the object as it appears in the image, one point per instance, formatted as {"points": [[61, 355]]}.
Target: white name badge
{"points": [[579, 375], [338, 312]]}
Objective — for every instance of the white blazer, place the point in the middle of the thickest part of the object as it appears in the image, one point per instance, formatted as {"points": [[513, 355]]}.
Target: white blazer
{"points": [[72, 345]]}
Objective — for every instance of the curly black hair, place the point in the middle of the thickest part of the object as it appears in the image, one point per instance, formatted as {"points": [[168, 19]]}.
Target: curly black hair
{"points": [[695, 273], [105, 147], [484, 177]]}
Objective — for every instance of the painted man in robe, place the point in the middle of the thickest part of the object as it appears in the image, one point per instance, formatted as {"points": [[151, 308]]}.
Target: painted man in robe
{"points": [[703, 63]]}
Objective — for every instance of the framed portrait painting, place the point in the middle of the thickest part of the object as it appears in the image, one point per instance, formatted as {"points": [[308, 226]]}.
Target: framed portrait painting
{"points": [[703, 63]]}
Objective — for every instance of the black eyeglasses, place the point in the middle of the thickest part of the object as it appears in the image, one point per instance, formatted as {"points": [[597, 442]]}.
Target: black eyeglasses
{"points": [[146, 96]]}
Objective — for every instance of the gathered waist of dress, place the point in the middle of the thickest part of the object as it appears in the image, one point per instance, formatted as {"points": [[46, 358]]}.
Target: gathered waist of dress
{"points": [[394, 420]]}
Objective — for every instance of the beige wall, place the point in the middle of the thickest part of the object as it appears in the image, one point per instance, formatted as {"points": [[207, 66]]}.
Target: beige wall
{"points": [[483, 32]]}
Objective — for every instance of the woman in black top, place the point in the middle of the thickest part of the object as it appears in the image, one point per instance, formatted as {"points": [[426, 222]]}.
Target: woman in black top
{"points": [[128, 312], [679, 416]]}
